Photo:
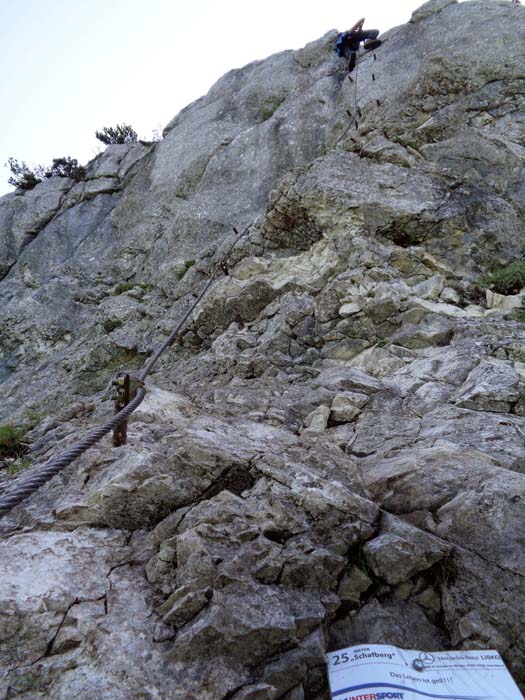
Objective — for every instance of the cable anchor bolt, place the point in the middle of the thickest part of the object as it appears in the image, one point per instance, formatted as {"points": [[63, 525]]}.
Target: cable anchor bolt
{"points": [[126, 385]]}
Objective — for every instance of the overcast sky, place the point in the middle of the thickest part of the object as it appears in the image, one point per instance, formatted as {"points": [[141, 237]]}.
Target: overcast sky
{"points": [[70, 67]]}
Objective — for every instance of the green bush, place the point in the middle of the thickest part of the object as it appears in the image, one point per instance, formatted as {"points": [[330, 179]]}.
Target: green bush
{"points": [[66, 167], [506, 280], [11, 444], [122, 133], [22, 176], [25, 178]]}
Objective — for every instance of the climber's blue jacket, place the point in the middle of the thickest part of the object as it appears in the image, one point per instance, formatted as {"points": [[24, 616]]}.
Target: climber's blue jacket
{"points": [[339, 47]]}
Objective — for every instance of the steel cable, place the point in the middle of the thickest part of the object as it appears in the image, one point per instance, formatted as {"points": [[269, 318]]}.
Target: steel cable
{"points": [[153, 359], [29, 485]]}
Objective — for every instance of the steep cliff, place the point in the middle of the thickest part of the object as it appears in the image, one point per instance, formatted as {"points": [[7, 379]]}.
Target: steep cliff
{"points": [[334, 452]]}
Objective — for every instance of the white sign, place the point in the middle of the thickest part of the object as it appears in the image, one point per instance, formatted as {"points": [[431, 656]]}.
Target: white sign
{"points": [[380, 672]]}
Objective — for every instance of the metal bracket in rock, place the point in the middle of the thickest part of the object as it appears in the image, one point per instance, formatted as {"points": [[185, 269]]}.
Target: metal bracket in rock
{"points": [[130, 394]]}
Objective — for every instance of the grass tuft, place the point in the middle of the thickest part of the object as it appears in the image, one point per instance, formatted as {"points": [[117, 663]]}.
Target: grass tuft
{"points": [[11, 442], [506, 280], [186, 266]]}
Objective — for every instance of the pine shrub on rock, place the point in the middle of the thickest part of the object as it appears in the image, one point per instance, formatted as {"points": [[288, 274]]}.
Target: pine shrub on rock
{"points": [[22, 176], [122, 133], [66, 167], [25, 178]]}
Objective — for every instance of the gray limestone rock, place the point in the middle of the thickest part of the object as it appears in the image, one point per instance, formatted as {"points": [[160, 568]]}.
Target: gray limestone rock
{"points": [[499, 436], [354, 582], [399, 623], [431, 331], [261, 691], [24, 214], [275, 618], [316, 421], [429, 8], [351, 379], [346, 406], [116, 160], [400, 551], [491, 386], [208, 556]]}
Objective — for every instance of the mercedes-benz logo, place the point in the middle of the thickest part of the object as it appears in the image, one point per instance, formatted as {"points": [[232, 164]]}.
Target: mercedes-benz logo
{"points": [[423, 661]]}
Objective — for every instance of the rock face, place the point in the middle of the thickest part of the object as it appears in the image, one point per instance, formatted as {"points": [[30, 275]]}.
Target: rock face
{"points": [[333, 453]]}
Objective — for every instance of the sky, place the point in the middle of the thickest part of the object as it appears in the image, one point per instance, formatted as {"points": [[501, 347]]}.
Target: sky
{"points": [[71, 67]]}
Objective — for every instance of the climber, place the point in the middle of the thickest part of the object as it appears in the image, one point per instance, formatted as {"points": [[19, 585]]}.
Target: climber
{"points": [[348, 42]]}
